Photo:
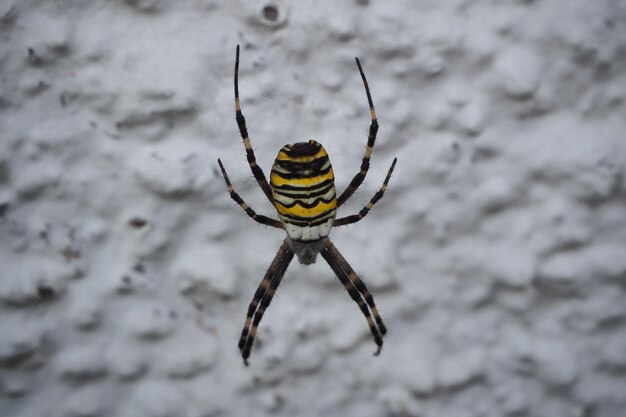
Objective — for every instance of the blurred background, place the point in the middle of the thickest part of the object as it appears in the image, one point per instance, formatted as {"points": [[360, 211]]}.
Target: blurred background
{"points": [[497, 257]]}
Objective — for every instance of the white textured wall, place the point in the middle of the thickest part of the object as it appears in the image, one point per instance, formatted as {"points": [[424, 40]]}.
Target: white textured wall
{"points": [[497, 257]]}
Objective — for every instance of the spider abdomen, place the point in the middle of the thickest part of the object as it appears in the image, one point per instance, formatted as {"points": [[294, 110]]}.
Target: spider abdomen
{"points": [[303, 188]]}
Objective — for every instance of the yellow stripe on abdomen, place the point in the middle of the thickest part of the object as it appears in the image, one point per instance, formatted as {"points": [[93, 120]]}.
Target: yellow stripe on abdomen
{"points": [[307, 213], [283, 155], [303, 182]]}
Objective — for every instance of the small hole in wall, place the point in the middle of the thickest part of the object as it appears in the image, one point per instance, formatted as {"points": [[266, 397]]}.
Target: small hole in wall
{"points": [[137, 222], [45, 292], [270, 13]]}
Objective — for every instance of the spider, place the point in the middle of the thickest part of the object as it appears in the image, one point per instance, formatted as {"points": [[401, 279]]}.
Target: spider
{"points": [[302, 189]]}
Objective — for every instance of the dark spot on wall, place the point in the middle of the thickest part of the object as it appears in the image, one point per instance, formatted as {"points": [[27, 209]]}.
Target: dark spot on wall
{"points": [[4, 208], [33, 58], [137, 222], [45, 291], [270, 12], [70, 252]]}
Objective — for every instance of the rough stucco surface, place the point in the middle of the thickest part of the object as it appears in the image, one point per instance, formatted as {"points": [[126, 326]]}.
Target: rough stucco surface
{"points": [[497, 257]]}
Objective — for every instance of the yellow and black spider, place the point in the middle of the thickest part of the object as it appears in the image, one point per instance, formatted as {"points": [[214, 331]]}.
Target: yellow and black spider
{"points": [[302, 189]]}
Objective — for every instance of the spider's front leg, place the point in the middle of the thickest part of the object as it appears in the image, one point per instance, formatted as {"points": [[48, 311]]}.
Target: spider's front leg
{"points": [[357, 290], [262, 298]]}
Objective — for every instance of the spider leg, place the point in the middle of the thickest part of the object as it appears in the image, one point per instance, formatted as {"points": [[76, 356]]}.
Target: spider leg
{"points": [[243, 130], [357, 290], [358, 283], [379, 194], [371, 139], [256, 217], [262, 299]]}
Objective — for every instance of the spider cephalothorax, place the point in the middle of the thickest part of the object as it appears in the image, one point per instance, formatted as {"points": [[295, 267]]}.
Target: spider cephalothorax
{"points": [[302, 189]]}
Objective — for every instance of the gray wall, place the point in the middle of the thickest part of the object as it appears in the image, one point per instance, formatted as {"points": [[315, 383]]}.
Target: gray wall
{"points": [[497, 257]]}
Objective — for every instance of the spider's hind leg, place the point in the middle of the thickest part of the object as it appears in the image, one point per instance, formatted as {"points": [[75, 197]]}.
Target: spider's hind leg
{"points": [[371, 140], [243, 130]]}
